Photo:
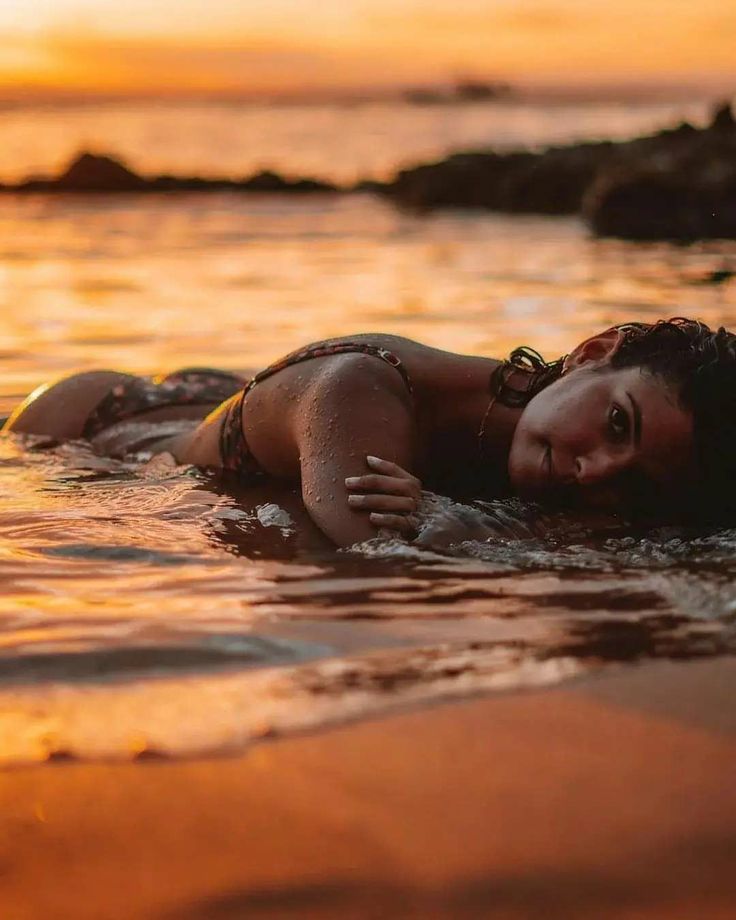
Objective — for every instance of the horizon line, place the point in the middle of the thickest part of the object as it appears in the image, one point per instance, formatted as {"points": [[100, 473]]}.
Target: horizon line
{"points": [[509, 91]]}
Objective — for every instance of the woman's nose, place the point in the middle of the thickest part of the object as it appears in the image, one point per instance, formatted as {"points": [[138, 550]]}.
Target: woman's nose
{"points": [[600, 466]]}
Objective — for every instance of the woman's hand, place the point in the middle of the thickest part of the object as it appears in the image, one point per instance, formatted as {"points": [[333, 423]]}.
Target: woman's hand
{"points": [[390, 494]]}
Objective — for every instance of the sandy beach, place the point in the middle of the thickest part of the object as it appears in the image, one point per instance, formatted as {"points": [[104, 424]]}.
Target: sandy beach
{"points": [[611, 796]]}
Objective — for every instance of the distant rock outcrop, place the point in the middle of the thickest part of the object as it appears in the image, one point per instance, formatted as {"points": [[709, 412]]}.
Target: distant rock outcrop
{"points": [[267, 181], [683, 191], [553, 182], [723, 118], [96, 173], [678, 184], [472, 90], [463, 90]]}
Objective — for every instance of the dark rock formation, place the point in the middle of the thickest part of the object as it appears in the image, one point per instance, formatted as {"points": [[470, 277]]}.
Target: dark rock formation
{"points": [[267, 181], [678, 184], [464, 90], [723, 119], [102, 174], [469, 90], [189, 184], [552, 182], [680, 191], [95, 173]]}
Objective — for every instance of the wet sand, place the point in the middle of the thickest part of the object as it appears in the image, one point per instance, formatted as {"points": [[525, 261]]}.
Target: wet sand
{"points": [[611, 796]]}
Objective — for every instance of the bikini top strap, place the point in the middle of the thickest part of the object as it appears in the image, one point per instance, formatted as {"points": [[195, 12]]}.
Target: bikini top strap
{"points": [[234, 451], [323, 350]]}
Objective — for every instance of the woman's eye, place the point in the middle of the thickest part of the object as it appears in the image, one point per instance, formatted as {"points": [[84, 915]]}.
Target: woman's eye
{"points": [[618, 423]]}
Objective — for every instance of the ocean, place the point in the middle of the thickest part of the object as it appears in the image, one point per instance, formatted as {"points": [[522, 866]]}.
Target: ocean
{"points": [[195, 618]]}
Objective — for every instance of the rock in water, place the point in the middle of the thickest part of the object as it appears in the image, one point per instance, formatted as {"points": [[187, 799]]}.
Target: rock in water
{"points": [[267, 181], [552, 182], [682, 190], [723, 119], [678, 184], [96, 173]]}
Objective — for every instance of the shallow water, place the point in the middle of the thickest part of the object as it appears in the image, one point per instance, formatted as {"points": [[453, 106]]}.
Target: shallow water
{"points": [[145, 610], [147, 613]]}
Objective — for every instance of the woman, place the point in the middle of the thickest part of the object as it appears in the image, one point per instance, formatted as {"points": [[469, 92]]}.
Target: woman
{"points": [[631, 414]]}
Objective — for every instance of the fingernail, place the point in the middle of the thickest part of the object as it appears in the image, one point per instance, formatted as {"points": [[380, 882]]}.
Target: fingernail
{"points": [[355, 499], [373, 460], [352, 481]]}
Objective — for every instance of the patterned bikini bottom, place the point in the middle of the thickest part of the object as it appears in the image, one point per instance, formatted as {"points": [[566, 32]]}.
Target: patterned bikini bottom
{"points": [[133, 400]]}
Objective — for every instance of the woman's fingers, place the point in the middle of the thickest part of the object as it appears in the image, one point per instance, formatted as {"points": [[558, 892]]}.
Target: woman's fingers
{"points": [[393, 522], [382, 502], [390, 494], [388, 468], [386, 485]]}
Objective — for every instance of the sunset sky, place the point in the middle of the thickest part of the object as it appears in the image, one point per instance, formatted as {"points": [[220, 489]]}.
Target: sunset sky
{"points": [[167, 47]]}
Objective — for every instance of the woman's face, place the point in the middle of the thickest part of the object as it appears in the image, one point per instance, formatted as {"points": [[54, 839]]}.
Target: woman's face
{"points": [[599, 436]]}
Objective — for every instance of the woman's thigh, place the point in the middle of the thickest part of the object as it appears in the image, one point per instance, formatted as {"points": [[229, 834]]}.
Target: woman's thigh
{"points": [[61, 408]]}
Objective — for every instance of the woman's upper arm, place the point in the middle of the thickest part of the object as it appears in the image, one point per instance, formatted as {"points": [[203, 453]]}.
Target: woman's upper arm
{"points": [[357, 406]]}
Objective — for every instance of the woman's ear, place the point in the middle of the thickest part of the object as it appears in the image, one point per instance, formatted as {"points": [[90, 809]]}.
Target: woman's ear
{"points": [[598, 348]]}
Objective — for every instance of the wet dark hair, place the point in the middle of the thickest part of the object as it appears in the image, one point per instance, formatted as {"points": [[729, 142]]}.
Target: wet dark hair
{"points": [[700, 366]]}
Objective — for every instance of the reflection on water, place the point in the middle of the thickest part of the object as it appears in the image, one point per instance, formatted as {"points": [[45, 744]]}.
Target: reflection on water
{"points": [[149, 609], [151, 284], [147, 612]]}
